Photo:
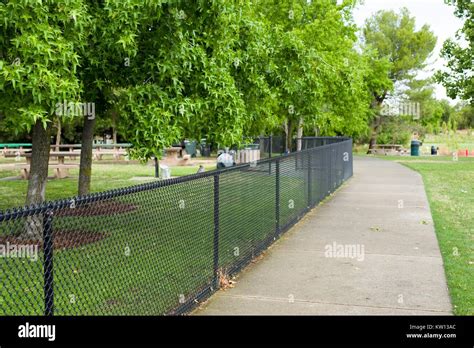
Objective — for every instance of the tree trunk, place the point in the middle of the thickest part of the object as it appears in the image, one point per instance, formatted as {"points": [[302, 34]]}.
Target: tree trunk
{"points": [[85, 168], [299, 134], [58, 134], [316, 131], [114, 126], [377, 122], [38, 178], [288, 133], [39, 165], [375, 130]]}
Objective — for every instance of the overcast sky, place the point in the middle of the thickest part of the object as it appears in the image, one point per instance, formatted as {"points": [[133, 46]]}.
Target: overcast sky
{"points": [[439, 16]]}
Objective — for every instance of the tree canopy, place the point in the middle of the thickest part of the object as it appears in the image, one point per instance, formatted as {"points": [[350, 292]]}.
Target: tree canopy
{"points": [[160, 71], [459, 76]]}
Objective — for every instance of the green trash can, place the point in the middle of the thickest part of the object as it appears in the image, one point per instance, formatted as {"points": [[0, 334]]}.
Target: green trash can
{"points": [[205, 148], [190, 147], [415, 147]]}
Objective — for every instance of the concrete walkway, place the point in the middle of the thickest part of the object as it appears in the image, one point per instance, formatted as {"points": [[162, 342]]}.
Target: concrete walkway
{"points": [[395, 267]]}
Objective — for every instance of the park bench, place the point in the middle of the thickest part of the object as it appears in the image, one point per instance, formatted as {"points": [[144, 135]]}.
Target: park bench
{"points": [[66, 147], [14, 149], [9, 153], [116, 153], [99, 150], [386, 149], [172, 157], [61, 170]]}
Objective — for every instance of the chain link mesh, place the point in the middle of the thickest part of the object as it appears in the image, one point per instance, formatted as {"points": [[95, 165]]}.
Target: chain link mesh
{"points": [[162, 247]]}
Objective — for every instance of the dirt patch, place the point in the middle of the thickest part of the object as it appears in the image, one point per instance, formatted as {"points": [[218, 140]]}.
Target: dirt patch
{"points": [[97, 208], [61, 239]]}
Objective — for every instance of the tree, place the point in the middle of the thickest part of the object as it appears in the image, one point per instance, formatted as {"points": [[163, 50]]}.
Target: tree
{"points": [[317, 75], [184, 87], [463, 116], [459, 78], [39, 59], [39, 46], [395, 38], [421, 92], [106, 64]]}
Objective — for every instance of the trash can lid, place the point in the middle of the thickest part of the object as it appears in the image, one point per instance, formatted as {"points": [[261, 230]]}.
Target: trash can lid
{"points": [[415, 142]]}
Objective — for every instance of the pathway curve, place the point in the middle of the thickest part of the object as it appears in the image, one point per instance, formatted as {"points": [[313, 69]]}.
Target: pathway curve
{"points": [[385, 259]]}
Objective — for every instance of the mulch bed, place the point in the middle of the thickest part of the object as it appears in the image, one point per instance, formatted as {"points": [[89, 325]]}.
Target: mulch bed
{"points": [[98, 209], [61, 239]]}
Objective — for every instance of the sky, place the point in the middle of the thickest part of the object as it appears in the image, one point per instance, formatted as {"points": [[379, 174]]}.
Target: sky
{"points": [[439, 16]]}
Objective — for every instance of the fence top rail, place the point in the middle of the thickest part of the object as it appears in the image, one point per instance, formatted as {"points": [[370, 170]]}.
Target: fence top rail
{"points": [[44, 207], [335, 137], [308, 137]]}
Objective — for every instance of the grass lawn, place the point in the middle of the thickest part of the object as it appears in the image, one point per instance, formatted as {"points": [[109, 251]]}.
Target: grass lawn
{"points": [[160, 253], [454, 140], [450, 189], [104, 177], [447, 142]]}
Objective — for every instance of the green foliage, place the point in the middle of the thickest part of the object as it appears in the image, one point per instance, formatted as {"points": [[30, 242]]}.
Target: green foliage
{"points": [[169, 70], [39, 57], [399, 130], [459, 78], [463, 116], [395, 38], [315, 72], [397, 52]]}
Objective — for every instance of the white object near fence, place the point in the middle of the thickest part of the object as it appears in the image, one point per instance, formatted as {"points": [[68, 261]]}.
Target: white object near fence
{"points": [[165, 171], [248, 155]]}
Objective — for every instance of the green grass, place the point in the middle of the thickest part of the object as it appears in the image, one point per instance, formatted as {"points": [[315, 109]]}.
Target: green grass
{"points": [[447, 142], [450, 189], [104, 177], [156, 254], [420, 159]]}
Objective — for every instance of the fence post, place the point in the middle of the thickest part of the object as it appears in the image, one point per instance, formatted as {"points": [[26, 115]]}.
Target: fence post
{"points": [[349, 166], [310, 179], [277, 197], [48, 263], [216, 232], [157, 167], [270, 149], [270, 146], [330, 157]]}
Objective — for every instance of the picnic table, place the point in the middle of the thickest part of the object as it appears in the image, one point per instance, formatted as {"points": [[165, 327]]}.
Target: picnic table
{"points": [[14, 145], [15, 152], [385, 149], [112, 146], [173, 152], [116, 152], [68, 147], [61, 169], [99, 150], [14, 149]]}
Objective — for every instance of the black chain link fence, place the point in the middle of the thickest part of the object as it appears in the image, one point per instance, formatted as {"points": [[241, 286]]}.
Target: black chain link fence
{"points": [[161, 247]]}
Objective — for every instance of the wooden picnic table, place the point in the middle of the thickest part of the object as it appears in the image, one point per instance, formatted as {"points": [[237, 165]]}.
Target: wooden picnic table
{"points": [[15, 145], [60, 155], [172, 153], [61, 170], [69, 147], [116, 150], [383, 149], [14, 152], [389, 146], [111, 146]]}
